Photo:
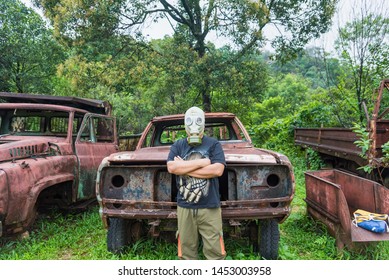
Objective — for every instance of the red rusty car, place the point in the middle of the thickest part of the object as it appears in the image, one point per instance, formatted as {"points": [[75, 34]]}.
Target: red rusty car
{"points": [[50, 149], [137, 195]]}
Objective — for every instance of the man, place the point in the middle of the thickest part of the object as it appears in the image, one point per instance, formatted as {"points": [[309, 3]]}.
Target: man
{"points": [[198, 161]]}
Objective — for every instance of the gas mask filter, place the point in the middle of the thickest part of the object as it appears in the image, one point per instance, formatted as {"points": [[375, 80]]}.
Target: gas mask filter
{"points": [[194, 125]]}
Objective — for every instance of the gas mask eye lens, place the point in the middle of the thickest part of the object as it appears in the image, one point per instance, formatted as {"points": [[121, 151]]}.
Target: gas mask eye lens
{"points": [[188, 121], [199, 121]]}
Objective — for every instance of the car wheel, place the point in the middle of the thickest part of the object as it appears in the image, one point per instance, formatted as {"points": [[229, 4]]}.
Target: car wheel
{"points": [[269, 239], [119, 235]]}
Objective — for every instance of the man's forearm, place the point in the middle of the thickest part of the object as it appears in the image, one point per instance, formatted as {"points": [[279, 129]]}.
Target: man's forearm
{"points": [[207, 172], [182, 167]]}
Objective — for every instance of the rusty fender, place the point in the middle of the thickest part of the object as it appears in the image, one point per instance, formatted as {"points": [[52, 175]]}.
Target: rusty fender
{"points": [[104, 163]]}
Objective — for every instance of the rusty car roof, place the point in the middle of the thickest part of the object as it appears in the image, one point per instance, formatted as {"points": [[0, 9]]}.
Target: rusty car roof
{"points": [[181, 116], [40, 107], [90, 105]]}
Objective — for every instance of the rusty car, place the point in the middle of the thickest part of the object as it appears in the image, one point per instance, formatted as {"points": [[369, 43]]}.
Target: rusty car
{"points": [[50, 149], [137, 195]]}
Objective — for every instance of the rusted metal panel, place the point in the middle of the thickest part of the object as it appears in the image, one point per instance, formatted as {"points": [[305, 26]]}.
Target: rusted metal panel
{"points": [[40, 107], [333, 195], [154, 183], [361, 235], [236, 214], [90, 105], [89, 157], [140, 183], [338, 142], [148, 192], [237, 210], [255, 182], [25, 179], [37, 146], [239, 152]]}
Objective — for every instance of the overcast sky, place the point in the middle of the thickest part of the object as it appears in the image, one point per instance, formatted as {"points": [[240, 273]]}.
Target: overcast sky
{"points": [[346, 11]]}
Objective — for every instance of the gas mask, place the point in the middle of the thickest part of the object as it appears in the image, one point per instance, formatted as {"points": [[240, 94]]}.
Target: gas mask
{"points": [[194, 125]]}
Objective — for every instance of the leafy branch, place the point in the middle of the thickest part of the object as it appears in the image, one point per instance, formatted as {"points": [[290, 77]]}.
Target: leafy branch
{"points": [[364, 142]]}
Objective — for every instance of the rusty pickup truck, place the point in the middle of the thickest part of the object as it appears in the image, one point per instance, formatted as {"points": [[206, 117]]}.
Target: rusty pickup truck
{"points": [[137, 195], [50, 149]]}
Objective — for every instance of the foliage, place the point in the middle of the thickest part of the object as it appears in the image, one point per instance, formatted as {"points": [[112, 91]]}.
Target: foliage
{"points": [[385, 152], [289, 103], [363, 48], [89, 24], [364, 140], [241, 22], [237, 86], [126, 80], [313, 64], [29, 53], [161, 80]]}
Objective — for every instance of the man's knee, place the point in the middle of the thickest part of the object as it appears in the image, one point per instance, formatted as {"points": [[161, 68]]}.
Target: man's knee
{"points": [[214, 248]]}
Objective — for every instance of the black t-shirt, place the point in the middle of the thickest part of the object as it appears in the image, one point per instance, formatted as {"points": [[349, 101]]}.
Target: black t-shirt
{"points": [[193, 192]]}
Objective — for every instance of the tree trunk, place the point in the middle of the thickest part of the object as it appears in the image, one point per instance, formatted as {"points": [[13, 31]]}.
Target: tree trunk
{"points": [[206, 96], [205, 89]]}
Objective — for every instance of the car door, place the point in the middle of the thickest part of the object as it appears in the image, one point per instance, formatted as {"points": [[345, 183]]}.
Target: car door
{"points": [[95, 140]]}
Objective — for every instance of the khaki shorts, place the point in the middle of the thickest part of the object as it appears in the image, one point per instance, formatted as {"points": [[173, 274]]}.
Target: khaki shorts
{"points": [[207, 223]]}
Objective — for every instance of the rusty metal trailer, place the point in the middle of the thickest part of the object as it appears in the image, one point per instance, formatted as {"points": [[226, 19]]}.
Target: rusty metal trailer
{"points": [[334, 193]]}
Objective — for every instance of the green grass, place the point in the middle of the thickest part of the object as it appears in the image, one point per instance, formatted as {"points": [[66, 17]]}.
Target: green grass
{"points": [[81, 236]]}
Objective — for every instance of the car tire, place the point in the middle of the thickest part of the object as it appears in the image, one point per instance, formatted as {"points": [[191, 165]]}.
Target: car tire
{"points": [[269, 239], [118, 235]]}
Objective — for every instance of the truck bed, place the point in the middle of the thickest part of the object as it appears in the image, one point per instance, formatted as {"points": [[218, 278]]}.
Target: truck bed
{"points": [[333, 196], [337, 142]]}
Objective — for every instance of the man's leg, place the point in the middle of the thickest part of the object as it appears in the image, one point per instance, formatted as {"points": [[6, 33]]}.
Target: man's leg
{"points": [[210, 228], [187, 234]]}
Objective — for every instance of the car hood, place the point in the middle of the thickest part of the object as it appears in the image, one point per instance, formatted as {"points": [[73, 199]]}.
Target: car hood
{"points": [[237, 155], [15, 147]]}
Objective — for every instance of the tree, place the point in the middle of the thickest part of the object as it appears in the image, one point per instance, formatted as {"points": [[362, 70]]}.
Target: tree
{"points": [[29, 54], [363, 47], [242, 22], [126, 81], [239, 85], [311, 65]]}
